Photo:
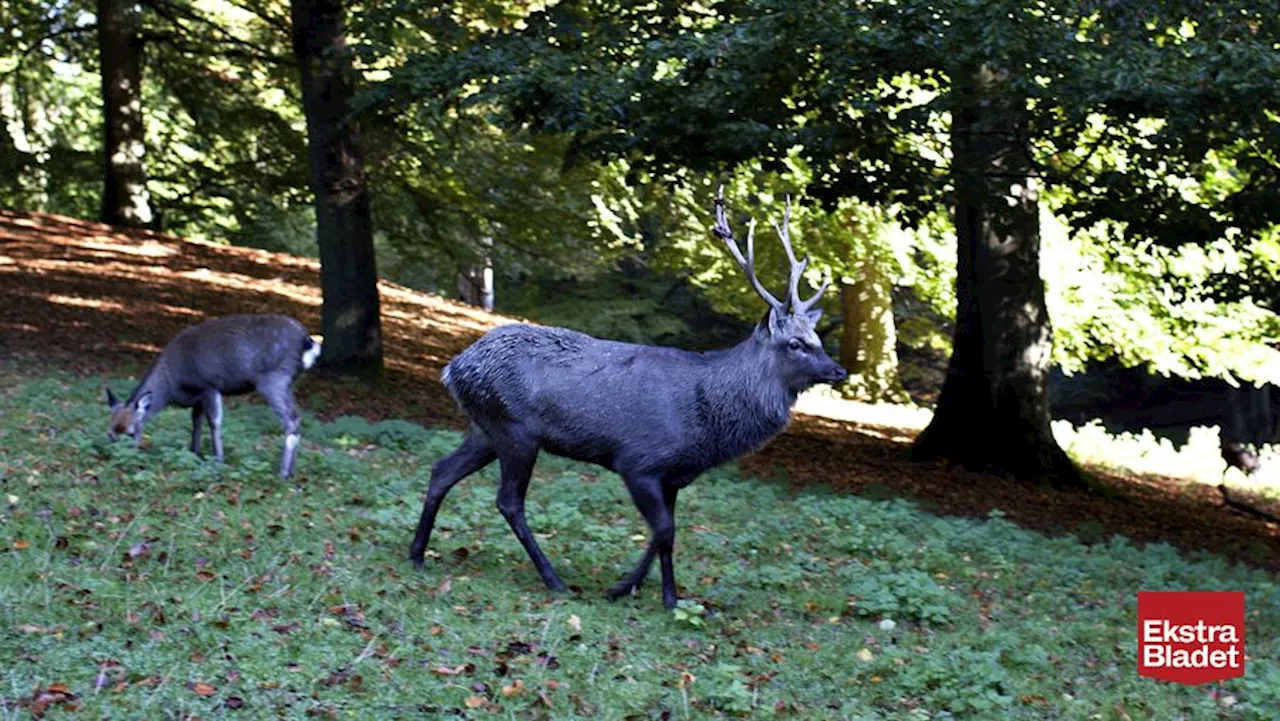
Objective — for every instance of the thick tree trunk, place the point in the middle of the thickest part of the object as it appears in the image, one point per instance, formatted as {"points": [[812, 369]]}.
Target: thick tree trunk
{"points": [[868, 342], [125, 200], [344, 224], [993, 413], [1247, 415]]}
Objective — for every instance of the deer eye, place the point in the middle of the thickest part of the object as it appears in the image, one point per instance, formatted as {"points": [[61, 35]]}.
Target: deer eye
{"points": [[795, 344]]}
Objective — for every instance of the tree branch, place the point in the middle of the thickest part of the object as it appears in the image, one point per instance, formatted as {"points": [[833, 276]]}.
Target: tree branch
{"points": [[47, 36], [176, 14]]}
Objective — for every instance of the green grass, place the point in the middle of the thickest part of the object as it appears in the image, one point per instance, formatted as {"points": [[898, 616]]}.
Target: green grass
{"points": [[154, 584]]}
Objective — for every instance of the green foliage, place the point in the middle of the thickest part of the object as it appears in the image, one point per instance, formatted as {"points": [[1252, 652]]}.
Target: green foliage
{"points": [[224, 133], [1154, 121], [630, 309], [881, 590], [1154, 306], [689, 612], [132, 576]]}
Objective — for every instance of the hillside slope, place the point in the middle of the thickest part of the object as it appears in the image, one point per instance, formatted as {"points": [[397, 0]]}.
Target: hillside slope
{"points": [[97, 301], [91, 297]]}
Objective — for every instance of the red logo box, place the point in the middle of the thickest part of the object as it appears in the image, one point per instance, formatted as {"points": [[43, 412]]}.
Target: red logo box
{"points": [[1191, 637]]}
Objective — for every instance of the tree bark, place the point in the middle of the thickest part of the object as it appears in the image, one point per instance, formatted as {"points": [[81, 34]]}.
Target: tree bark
{"points": [[475, 282], [475, 286], [993, 412], [350, 315], [1247, 416], [868, 342], [125, 200]]}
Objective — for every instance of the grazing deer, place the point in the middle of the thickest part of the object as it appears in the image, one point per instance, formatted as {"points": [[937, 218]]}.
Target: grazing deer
{"points": [[656, 416], [220, 357]]}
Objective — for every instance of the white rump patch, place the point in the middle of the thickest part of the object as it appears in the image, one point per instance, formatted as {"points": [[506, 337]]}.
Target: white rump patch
{"points": [[312, 353]]}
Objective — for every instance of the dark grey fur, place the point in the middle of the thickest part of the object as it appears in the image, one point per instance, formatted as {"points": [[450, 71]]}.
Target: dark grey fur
{"points": [[225, 356], [657, 416]]}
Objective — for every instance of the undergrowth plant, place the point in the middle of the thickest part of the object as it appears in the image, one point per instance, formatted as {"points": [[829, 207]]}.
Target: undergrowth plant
{"points": [[152, 583]]}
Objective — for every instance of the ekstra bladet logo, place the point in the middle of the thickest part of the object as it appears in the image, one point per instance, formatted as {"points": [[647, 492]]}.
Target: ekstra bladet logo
{"points": [[1191, 637]]}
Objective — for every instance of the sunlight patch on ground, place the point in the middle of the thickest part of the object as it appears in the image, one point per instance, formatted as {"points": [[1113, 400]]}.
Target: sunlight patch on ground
{"points": [[280, 286], [821, 404], [145, 250], [83, 302], [1198, 461]]}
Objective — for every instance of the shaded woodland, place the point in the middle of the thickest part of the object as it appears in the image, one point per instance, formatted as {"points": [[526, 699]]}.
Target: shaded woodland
{"points": [[1001, 194]]}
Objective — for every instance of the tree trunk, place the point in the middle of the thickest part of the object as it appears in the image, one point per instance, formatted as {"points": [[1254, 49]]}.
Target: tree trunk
{"points": [[1247, 416], [125, 200], [344, 224], [475, 286], [993, 412], [868, 342], [475, 282]]}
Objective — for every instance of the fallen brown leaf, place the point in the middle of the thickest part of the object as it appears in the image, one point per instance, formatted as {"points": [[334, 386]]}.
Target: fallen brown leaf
{"points": [[203, 689]]}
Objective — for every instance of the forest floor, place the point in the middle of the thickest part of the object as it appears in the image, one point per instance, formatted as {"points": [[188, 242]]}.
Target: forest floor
{"points": [[88, 299]]}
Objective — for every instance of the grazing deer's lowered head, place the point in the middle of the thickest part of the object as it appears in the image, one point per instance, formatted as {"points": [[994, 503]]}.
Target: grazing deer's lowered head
{"points": [[657, 416], [220, 357]]}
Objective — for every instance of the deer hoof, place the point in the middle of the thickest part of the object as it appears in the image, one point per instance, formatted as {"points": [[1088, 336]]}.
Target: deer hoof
{"points": [[613, 593]]}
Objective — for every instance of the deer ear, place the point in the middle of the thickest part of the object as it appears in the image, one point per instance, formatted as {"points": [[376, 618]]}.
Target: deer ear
{"points": [[813, 315], [777, 320], [144, 403], [112, 401]]}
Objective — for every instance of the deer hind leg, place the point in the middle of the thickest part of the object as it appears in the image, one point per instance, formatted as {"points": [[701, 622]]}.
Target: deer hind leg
{"points": [[212, 404], [277, 389], [197, 417], [475, 453], [657, 503], [517, 465]]}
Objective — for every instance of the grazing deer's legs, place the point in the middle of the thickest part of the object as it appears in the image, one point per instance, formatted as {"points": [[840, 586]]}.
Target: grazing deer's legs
{"points": [[517, 465], [665, 553], [212, 403], [197, 417], [657, 502], [278, 392], [475, 453]]}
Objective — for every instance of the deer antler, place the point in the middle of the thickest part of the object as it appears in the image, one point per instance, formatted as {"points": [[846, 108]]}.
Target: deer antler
{"points": [[721, 230], [797, 268]]}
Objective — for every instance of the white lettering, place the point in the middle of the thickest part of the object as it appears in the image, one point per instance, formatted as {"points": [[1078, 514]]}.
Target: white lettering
{"points": [[1151, 631], [1166, 656], [1161, 631], [1153, 656]]}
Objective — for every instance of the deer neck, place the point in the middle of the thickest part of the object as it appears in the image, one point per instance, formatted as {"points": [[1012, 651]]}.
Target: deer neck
{"points": [[745, 401], [155, 381]]}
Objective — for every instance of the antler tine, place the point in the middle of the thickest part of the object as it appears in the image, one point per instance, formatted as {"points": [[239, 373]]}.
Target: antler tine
{"points": [[806, 305], [722, 231], [797, 267]]}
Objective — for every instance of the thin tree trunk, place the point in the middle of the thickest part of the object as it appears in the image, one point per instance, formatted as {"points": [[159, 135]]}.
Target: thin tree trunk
{"points": [[125, 200], [993, 412], [344, 225], [868, 342], [475, 282]]}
